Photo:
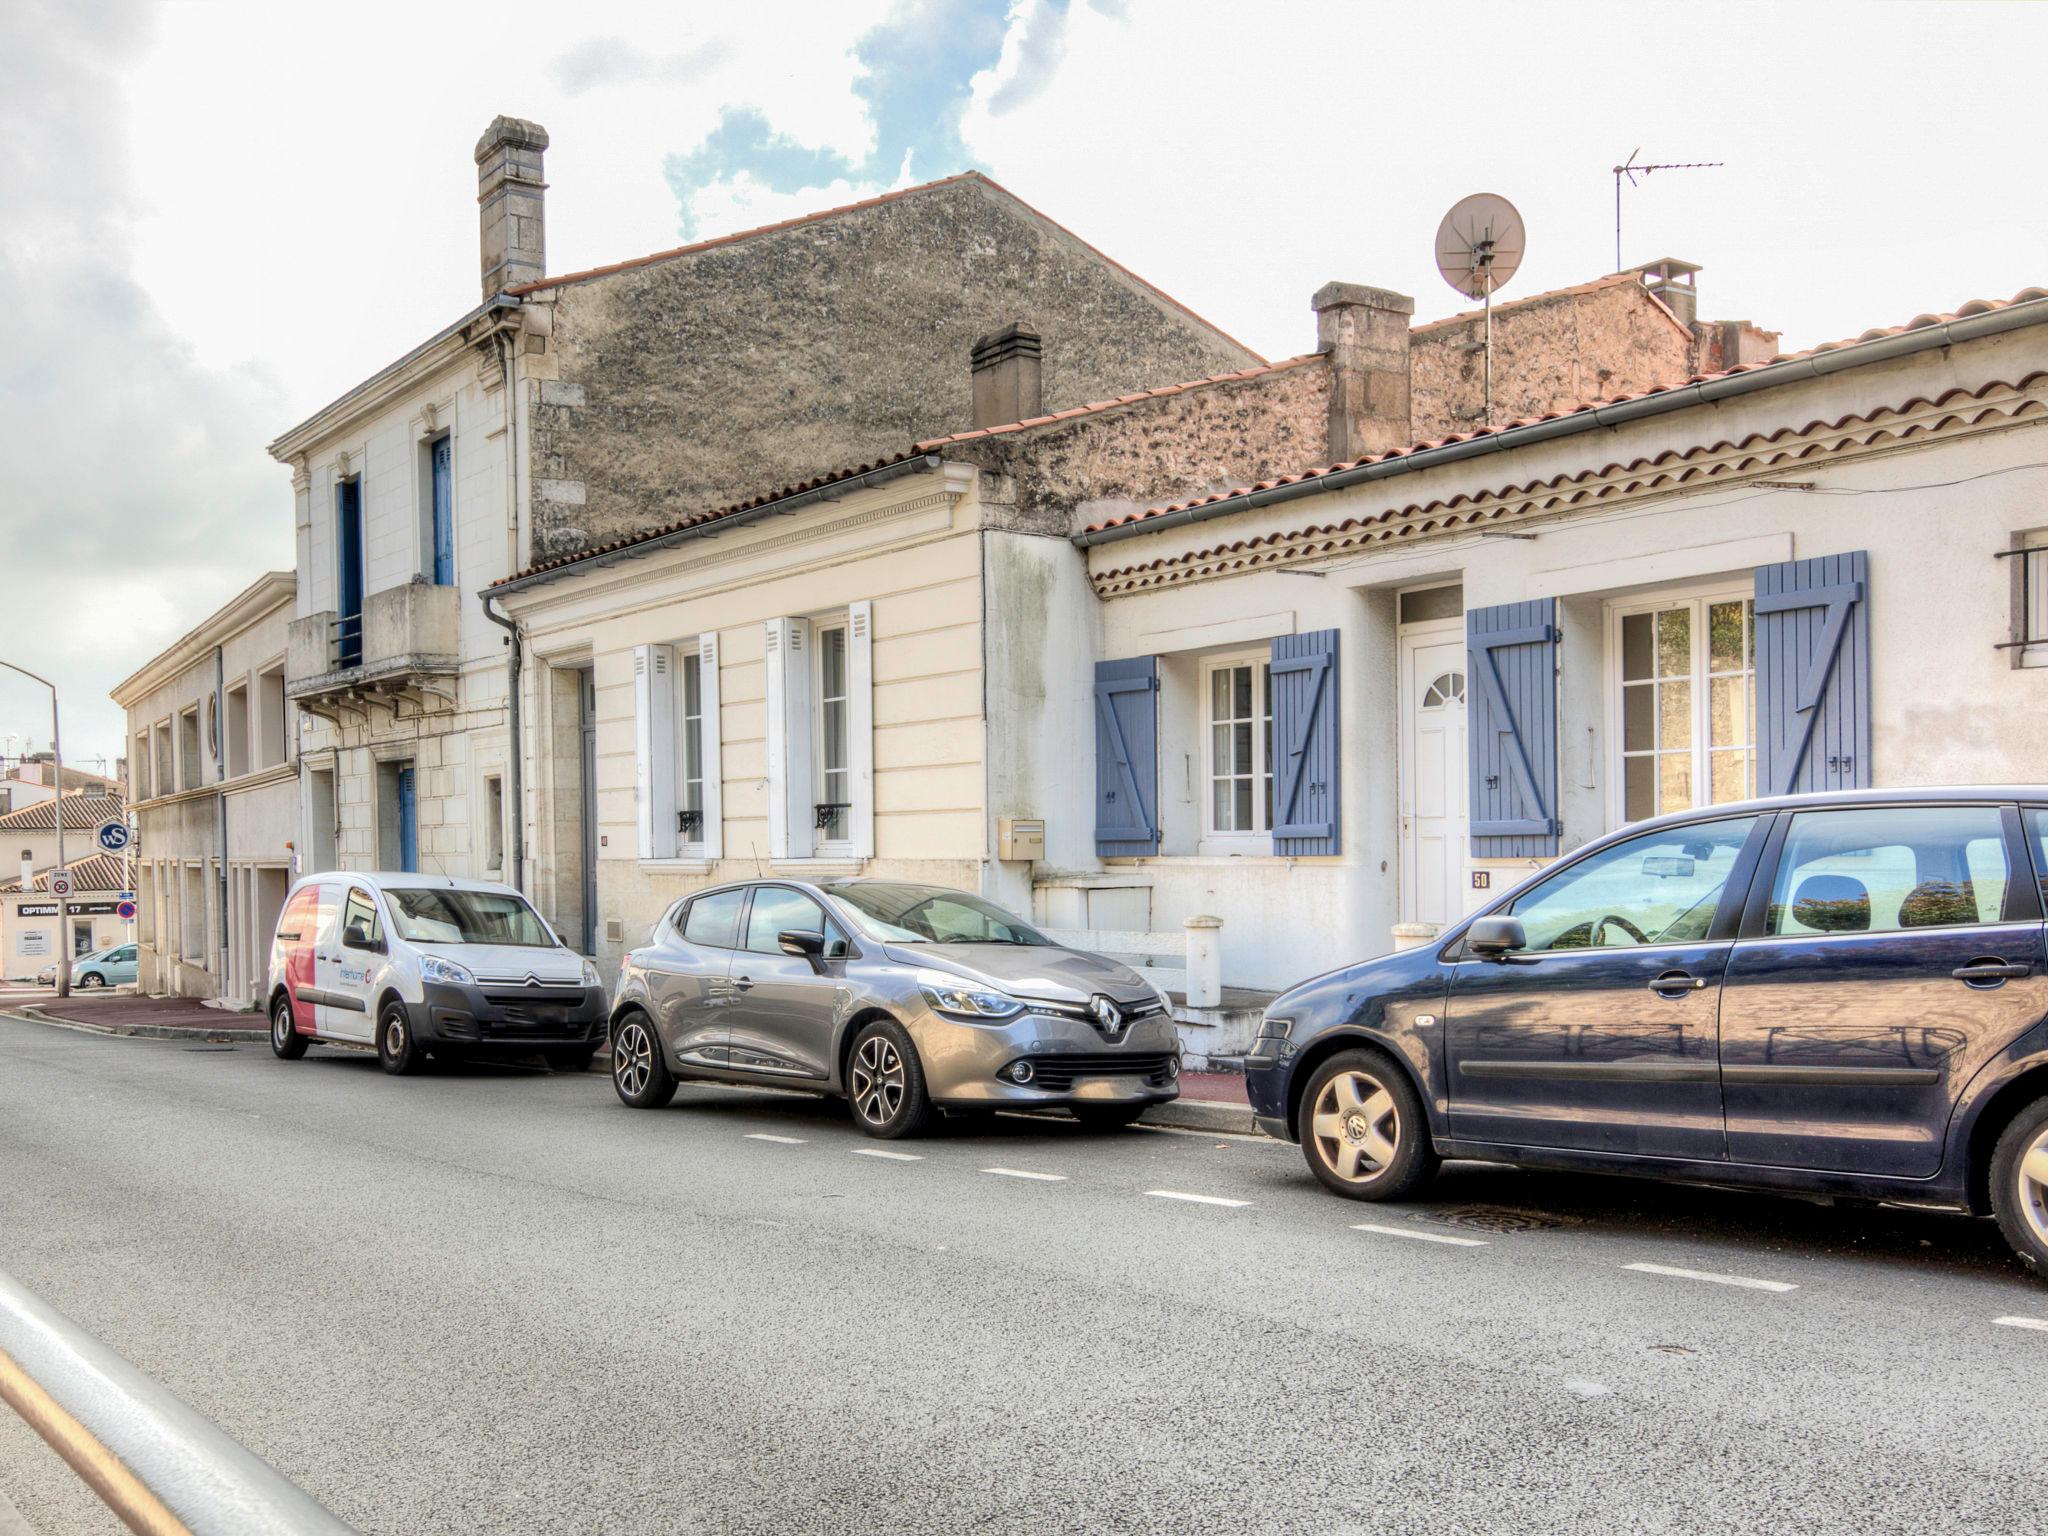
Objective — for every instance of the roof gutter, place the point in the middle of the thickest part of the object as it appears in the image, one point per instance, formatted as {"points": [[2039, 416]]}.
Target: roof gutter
{"points": [[832, 490], [1796, 370]]}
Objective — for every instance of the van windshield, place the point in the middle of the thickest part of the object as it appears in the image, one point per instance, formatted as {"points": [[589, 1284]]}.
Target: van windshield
{"points": [[466, 917]]}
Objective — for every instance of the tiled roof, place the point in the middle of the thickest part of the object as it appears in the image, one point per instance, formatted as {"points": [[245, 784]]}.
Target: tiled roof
{"points": [[898, 195], [1918, 322], [929, 445], [101, 872], [82, 813], [1094, 407]]}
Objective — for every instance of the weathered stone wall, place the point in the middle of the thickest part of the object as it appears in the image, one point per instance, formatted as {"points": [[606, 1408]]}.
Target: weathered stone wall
{"points": [[707, 378], [1061, 477], [1550, 353]]}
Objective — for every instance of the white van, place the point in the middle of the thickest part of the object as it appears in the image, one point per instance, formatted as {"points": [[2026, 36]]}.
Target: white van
{"points": [[422, 965]]}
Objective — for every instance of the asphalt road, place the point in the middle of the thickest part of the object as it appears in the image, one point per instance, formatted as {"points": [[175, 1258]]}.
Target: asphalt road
{"points": [[495, 1300]]}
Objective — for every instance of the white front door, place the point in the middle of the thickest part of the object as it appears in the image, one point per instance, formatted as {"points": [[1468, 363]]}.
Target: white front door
{"points": [[1432, 772]]}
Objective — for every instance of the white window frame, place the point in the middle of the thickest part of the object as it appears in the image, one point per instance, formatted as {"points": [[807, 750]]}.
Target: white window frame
{"points": [[1214, 840], [660, 738], [1700, 598], [708, 843], [795, 772], [830, 847]]}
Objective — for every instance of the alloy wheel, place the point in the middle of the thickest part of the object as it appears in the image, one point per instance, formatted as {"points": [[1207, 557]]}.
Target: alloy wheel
{"points": [[632, 1060], [1357, 1127], [2032, 1174], [879, 1083], [281, 1025]]}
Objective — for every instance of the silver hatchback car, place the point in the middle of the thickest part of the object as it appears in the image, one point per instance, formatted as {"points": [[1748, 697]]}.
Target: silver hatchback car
{"points": [[901, 998]]}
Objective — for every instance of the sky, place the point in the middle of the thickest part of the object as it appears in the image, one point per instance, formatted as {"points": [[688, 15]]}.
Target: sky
{"points": [[218, 215]]}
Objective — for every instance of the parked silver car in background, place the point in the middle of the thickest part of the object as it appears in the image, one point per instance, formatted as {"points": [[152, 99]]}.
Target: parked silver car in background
{"points": [[901, 998]]}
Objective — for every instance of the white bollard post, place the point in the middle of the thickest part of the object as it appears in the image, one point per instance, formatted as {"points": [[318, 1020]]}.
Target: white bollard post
{"points": [[1205, 962]]}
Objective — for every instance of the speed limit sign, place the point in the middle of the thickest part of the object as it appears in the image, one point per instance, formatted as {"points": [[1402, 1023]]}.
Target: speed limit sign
{"points": [[60, 883]]}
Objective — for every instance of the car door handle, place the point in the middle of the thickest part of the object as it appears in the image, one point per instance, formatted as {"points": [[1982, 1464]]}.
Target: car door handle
{"points": [[1674, 983], [742, 983], [1989, 970]]}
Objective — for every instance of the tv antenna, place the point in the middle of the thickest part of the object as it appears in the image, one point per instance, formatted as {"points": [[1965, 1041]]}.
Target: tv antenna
{"points": [[1478, 247], [1628, 170]]}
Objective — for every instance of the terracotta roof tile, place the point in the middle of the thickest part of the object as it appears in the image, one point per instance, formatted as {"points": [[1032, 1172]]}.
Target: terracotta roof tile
{"points": [[1918, 322], [82, 813]]}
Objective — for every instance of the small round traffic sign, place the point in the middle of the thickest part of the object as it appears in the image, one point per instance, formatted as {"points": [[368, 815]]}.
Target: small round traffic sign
{"points": [[125, 911], [60, 884], [114, 836]]}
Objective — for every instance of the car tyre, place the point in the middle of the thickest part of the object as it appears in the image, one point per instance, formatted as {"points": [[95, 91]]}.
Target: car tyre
{"points": [[286, 1043], [2019, 1185], [572, 1058], [885, 1082], [639, 1071], [398, 1050], [92, 981], [1107, 1117], [1362, 1128]]}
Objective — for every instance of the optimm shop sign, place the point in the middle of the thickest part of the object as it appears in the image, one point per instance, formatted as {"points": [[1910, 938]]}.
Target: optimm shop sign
{"points": [[77, 908]]}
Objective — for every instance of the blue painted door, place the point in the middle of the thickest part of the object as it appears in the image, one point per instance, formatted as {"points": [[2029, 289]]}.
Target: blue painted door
{"points": [[1890, 954], [1127, 757], [444, 513], [408, 822], [348, 520], [1600, 1037]]}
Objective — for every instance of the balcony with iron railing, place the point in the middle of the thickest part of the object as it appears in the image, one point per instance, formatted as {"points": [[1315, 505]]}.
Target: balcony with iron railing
{"points": [[403, 643]]}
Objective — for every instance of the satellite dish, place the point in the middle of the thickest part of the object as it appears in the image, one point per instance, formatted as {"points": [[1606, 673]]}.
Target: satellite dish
{"points": [[1479, 245]]}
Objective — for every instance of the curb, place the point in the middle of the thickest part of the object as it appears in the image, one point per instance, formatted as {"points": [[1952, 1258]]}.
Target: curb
{"points": [[216, 1036], [1178, 1115]]}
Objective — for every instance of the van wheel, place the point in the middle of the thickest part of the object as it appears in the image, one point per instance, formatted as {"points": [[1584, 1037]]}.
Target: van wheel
{"points": [[639, 1070], [397, 1052], [2019, 1185], [885, 1082], [1362, 1128], [286, 1043]]}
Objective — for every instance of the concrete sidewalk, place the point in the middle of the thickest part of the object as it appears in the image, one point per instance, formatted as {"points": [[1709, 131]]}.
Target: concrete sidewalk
{"points": [[155, 1018]]}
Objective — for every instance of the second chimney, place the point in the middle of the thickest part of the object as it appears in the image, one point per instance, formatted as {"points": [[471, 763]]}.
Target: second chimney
{"points": [[1364, 333], [512, 227], [1006, 376]]}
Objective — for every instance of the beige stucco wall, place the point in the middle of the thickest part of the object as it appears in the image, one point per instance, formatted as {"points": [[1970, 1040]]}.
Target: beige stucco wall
{"points": [[912, 549]]}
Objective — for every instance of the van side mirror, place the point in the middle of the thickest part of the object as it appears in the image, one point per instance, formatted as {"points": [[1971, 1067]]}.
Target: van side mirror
{"points": [[1495, 938], [358, 937]]}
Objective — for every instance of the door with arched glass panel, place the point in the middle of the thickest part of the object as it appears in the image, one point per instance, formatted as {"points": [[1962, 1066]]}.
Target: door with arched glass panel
{"points": [[1432, 773]]}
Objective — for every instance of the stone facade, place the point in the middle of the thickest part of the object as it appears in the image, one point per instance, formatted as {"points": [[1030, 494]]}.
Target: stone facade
{"points": [[699, 378]]}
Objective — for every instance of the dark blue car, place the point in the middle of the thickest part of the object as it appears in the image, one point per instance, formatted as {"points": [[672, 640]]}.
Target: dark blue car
{"points": [[1842, 993]]}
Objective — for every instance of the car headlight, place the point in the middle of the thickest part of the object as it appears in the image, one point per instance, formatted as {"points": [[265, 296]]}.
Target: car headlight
{"points": [[592, 977], [959, 1000], [1165, 1002], [434, 968]]}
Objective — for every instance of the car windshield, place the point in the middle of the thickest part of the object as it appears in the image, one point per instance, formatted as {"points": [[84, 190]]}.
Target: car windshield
{"points": [[466, 917], [930, 914]]}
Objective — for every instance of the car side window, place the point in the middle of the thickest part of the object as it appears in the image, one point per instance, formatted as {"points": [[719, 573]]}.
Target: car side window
{"points": [[125, 953], [301, 916], [714, 920], [1888, 869], [359, 918], [1660, 888], [778, 910], [2037, 834]]}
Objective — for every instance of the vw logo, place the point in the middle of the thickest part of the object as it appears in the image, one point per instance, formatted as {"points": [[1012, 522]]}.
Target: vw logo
{"points": [[1108, 1017]]}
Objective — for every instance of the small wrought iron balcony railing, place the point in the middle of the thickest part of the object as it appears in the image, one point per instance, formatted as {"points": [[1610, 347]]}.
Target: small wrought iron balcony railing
{"points": [[347, 648]]}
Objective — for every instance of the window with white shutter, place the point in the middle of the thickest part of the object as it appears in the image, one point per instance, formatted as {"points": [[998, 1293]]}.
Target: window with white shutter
{"points": [[698, 777], [820, 735]]}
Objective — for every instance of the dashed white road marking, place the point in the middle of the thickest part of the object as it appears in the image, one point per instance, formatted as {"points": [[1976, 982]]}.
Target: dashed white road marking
{"points": [[1175, 1194], [894, 1157], [780, 1141], [2038, 1324], [1712, 1279], [1025, 1173], [1421, 1237]]}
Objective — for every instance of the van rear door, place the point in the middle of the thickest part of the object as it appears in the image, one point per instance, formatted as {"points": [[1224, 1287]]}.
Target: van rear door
{"points": [[298, 929]]}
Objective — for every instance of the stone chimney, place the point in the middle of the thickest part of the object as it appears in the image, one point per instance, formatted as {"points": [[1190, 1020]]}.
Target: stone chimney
{"points": [[512, 228], [1364, 333], [1671, 281], [1006, 376]]}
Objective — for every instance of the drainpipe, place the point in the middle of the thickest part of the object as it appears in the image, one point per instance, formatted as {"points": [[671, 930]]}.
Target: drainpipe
{"points": [[220, 776], [511, 628]]}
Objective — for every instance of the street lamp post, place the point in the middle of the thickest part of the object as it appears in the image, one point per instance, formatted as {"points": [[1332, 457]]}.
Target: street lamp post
{"points": [[63, 902]]}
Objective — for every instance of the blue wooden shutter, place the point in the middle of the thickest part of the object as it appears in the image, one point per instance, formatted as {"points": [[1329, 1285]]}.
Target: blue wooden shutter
{"points": [[1813, 674], [1127, 757], [1305, 795], [444, 513], [1511, 654], [408, 822]]}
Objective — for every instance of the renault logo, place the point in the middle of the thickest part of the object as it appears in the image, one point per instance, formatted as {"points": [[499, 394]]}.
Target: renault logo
{"points": [[1108, 1017]]}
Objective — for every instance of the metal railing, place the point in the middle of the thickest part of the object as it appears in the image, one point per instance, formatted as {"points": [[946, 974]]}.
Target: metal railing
{"points": [[162, 1467], [347, 641]]}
